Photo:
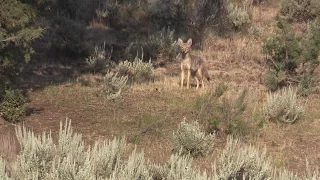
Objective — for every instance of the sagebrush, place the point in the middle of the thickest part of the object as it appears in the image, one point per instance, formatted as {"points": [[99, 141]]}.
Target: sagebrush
{"points": [[113, 85], [190, 139], [71, 158], [283, 106], [243, 162], [3, 173], [137, 71], [239, 13], [101, 58], [40, 158]]}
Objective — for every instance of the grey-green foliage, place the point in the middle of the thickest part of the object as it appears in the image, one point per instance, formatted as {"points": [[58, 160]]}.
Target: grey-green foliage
{"points": [[240, 161], [239, 13], [288, 175], [13, 106], [157, 171], [3, 173], [134, 169], [37, 153], [69, 155], [113, 85], [283, 106], [106, 156], [312, 174], [40, 158], [285, 174], [178, 167], [101, 58], [161, 42], [137, 70], [190, 139]]}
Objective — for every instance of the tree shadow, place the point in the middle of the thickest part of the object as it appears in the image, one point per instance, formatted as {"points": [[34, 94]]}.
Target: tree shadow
{"points": [[51, 65]]}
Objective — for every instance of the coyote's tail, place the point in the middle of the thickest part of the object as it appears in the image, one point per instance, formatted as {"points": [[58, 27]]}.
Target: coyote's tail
{"points": [[206, 74]]}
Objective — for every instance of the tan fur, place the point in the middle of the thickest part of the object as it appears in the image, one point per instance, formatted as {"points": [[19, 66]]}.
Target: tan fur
{"points": [[193, 64]]}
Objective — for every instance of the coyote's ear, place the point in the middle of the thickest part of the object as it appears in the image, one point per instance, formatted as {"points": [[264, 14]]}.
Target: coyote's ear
{"points": [[189, 42], [180, 42]]}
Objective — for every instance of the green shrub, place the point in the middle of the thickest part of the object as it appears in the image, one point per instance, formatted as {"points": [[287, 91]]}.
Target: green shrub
{"points": [[273, 80], [4, 83], [292, 57], [310, 57], [227, 114], [74, 9], [113, 85], [13, 106], [300, 10], [122, 14], [214, 125], [243, 162], [220, 89], [283, 106], [223, 113], [162, 13], [305, 84], [185, 17], [284, 49], [69, 38], [137, 70], [18, 31], [201, 101], [190, 139]]}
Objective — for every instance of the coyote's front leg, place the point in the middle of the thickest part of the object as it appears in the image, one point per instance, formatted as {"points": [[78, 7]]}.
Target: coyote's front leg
{"points": [[188, 78], [182, 76]]}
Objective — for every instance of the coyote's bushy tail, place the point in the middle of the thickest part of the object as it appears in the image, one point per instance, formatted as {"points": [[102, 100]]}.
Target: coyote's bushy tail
{"points": [[206, 74]]}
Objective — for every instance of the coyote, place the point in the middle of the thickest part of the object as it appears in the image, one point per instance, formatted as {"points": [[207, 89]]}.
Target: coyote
{"points": [[193, 64]]}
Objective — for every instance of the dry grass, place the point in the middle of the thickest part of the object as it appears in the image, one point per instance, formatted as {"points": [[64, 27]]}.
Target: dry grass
{"points": [[149, 114]]}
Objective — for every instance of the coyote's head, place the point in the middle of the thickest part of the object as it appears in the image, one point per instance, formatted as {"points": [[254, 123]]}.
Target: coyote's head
{"points": [[185, 47]]}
